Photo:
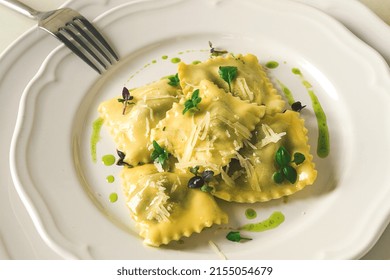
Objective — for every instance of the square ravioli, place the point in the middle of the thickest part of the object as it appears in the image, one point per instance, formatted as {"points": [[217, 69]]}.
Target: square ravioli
{"points": [[131, 128], [210, 136], [164, 208], [251, 82], [250, 177]]}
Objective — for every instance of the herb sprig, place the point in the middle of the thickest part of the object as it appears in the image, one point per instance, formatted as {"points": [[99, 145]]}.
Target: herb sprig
{"points": [[228, 74], [125, 100], [283, 160], [192, 104], [201, 180], [174, 80], [159, 155]]}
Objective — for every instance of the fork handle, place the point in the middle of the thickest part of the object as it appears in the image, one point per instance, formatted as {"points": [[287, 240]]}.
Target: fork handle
{"points": [[21, 8]]}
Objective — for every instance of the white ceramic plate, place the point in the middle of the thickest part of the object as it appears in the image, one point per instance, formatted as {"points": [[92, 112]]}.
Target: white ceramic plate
{"points": [[339, 217]]}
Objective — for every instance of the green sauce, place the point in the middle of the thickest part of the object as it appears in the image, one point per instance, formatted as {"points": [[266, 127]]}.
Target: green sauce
{"points": [[323, 144], [108, 160], [272, 64], [164, 57], [272, 222], [113, 197], [154, 61], [175, 60], [250, 213], [95, 136], [287, 92], [196, 62], [110, 179]]}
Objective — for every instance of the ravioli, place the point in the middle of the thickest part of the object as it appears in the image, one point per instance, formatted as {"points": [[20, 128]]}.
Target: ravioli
{"points": [[164, 208], [251, 83], [250, 177], [226, 133], [131, 131], [211, 136]]}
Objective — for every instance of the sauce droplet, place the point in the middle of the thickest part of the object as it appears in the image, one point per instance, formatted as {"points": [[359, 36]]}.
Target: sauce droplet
{"points": [[113, 197], [175, 60], [272, 64], [164, 57], [110, 179], [250, 213], [272, 222], [108, 160]]}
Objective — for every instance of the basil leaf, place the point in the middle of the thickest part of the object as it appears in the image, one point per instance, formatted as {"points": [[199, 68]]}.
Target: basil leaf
{"points": [[290, 174], [282, 157], [299, 158], [235, 236], [278, 177]]}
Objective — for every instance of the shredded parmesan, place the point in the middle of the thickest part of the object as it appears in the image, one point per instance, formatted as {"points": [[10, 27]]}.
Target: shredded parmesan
{"points": [[250, 171], [157, 208], [243, 86], [215, 248], [226, 178], [270, 136], [239, 129]]}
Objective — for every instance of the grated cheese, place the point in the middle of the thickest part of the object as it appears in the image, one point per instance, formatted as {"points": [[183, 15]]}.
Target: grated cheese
{"points": [[215, 248], [243, 86], [270, 136], [157, 208]]}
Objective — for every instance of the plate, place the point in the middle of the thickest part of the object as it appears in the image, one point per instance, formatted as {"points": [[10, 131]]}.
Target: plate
{"points": [[67, 195]]}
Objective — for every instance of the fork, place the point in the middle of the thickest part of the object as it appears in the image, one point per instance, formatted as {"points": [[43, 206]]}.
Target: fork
{"points": [[74, 30]]}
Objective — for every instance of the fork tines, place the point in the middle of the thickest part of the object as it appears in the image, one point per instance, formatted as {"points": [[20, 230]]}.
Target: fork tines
{"points": [[84, 40]]}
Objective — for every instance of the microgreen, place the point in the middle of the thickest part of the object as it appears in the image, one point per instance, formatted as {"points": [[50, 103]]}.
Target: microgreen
{"points": [[174, 80], [125, 100], [228, 74], [200, 181], [159, 155], [283, 160], [216, 52], [121, 160], [235, 236], [192, 104], [297, 106]]}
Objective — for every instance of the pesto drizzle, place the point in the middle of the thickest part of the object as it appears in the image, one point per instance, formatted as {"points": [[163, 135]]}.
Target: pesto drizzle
{"points": [[95, 137], [323, 145]]}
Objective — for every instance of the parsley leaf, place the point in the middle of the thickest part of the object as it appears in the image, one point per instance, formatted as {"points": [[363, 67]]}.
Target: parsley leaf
{"points": [[159, 155], [192, 104], [228, 74], [235, 236], [174, 80]]}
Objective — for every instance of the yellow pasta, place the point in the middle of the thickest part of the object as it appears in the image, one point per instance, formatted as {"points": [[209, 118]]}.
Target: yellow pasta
{"points": [[254, 167], [164, 208]]}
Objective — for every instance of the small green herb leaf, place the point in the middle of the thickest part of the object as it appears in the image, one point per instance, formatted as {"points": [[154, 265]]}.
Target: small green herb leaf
{"points": [[235, 236], [290, 174], [299, 158], [192, 104], [174, 80], [159, 155], [125, 100], [282, 156], [228, 74], [278, 177], [206, 188]]}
